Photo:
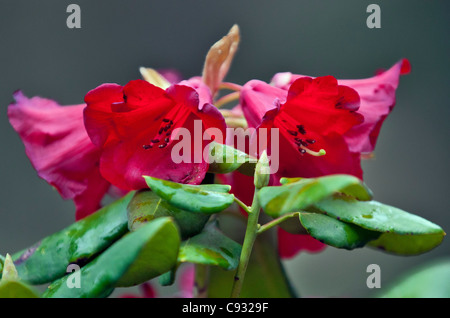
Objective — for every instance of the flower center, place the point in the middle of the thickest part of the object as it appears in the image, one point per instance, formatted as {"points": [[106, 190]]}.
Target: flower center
{"points": [[297, 134], [163, 137]]}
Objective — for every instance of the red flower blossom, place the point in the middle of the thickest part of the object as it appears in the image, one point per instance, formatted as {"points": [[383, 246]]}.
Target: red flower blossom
{"points": [[63, 154], [312, 118], [377, 98], [60, 149], [377, 101], [133, 126], [312, 122], [257, 97]]}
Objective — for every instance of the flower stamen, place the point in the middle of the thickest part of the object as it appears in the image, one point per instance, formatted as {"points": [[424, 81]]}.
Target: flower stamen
{"points": [[162, 138], [319, 153]]}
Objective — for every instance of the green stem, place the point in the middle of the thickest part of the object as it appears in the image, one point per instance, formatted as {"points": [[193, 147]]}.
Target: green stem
{"points": [[276, 221], [242, 205], [249, 240]]}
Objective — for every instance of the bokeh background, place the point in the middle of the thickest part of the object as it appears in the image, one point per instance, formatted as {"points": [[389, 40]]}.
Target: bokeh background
{"points": [[41, 56]]}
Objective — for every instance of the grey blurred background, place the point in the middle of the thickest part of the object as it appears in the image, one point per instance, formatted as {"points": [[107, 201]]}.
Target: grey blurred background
{"points": [[41, 56]]}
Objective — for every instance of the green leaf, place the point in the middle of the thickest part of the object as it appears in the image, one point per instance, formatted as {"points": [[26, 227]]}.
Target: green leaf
{"points": [[211, 247], [336, 233], [302, 193], [402, 233], [158, 255], [146, 206], [16, 289], [431, 280], [225, 159], [137, 257], [204, 198], [9, 271], [48, 259]]}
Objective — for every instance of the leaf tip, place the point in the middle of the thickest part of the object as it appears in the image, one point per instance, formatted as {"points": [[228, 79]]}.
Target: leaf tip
{"points": [[9, 270]]}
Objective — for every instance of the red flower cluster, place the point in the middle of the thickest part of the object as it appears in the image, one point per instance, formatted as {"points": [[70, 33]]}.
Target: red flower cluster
{"points": [[125, 132]]}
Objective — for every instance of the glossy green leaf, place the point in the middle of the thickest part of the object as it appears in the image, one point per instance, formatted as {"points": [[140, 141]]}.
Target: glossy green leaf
{"points": [[146, 206], [431, 280], [157, 256], [211, 247], [402, 232], [48, 259], [302, 193], [336, 233], [225, 159], [204, 198], [137, 257]]}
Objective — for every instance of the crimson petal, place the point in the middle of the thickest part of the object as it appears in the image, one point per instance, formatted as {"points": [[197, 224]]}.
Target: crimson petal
{"points": [[60, 150], [257, 97], [377, 99], [137, 138]]}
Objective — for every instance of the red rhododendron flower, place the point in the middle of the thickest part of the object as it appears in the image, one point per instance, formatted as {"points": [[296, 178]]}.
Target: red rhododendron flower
{"points": [[133, 126], [60, 150], [377, 101], [312, 122], [377, 98], [313, 115]]}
